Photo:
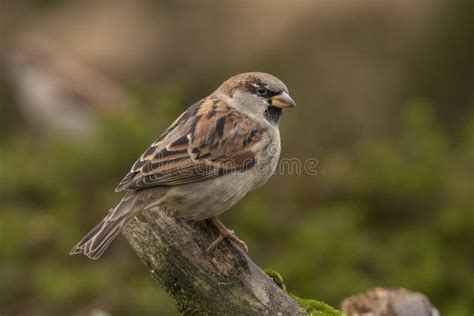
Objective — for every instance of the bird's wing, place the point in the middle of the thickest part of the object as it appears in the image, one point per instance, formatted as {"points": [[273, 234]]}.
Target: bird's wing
{"points": [[208, 140]]}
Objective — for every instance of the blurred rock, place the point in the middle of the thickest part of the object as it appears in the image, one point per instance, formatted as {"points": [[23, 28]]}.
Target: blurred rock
{"points": [[56, 91], [388, 302]]}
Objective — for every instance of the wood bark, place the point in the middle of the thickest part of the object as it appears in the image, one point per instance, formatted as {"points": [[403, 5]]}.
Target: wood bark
{"points": [[224, 282]]}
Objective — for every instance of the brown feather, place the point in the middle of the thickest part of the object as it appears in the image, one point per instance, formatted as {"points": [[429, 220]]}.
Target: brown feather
{"points": [[208, 140]]}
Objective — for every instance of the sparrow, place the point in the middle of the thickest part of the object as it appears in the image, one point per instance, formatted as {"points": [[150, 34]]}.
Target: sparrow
{"points": [[384, 301], [216, 151], [56, 91]]}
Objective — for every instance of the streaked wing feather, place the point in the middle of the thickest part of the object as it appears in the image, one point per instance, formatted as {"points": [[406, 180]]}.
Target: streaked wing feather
{"points": [[208, 140]]}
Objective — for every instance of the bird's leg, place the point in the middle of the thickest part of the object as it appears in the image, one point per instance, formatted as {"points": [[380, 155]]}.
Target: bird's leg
{"points": [[224, 233]]}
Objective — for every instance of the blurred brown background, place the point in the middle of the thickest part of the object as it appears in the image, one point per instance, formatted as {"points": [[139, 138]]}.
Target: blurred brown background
{"points": [[385, 94]]}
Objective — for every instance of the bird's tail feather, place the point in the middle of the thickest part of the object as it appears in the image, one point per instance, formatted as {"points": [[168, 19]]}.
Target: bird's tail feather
{"points": [[99, 238]]}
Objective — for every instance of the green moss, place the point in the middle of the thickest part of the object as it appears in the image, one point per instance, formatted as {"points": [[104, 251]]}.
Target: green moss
{"points": [[316, 308], [277, 278], [312, 307]]}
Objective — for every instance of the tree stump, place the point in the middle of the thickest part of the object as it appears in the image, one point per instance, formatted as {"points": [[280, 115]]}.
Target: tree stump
{"points": [[225, 281]]}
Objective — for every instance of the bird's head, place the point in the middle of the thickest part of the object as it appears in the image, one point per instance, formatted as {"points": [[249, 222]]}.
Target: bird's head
{"points": [[257, 94]]}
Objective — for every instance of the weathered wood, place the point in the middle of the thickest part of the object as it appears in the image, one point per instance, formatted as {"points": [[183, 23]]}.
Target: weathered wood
{"points": [[225, 281]]}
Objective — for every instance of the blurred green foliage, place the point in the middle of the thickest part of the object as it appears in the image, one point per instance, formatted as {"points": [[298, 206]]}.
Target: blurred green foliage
{"points": [[404, 217]]}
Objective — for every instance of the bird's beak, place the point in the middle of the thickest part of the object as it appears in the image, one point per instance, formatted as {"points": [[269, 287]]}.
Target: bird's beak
{"points": [[282, 101]]}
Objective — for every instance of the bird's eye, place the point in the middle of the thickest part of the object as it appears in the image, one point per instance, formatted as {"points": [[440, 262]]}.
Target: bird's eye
{"points": [[261, 91]]}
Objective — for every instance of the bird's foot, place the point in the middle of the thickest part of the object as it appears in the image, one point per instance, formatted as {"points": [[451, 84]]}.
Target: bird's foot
{"points": [[224, 233]]}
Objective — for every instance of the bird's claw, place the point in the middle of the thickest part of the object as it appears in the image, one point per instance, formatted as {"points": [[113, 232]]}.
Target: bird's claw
{"points": [[230, 235]]}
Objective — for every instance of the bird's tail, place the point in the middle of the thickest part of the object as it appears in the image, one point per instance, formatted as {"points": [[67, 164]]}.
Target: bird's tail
{"points": [[99, 238]]}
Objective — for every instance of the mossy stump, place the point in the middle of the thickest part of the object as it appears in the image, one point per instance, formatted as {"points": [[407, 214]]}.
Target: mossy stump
{"points": [[225, 281]]}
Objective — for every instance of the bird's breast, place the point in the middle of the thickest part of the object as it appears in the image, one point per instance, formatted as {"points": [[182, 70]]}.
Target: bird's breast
{"points": [[267, 159]]}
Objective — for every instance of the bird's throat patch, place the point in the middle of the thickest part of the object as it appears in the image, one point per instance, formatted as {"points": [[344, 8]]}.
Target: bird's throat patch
{"points": [[273, 114]]}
